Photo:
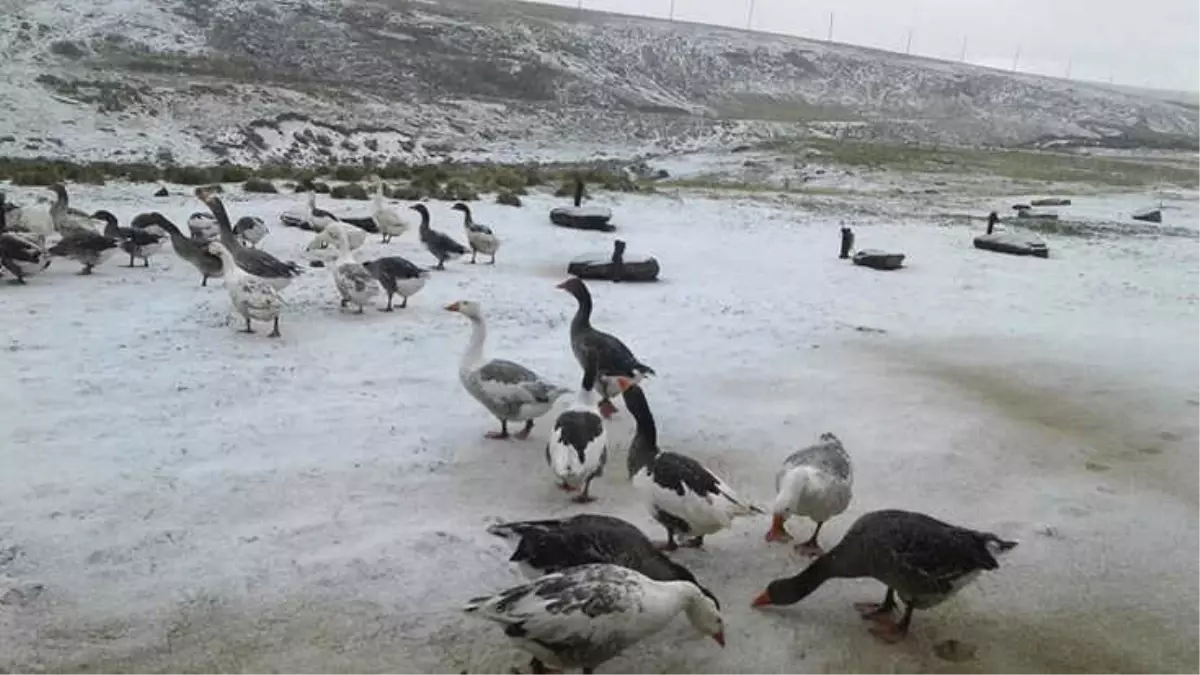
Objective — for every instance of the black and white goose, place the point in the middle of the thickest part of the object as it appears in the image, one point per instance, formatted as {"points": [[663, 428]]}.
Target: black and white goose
{"points": [[254, 261], [398, 276], [250, 230], [683, 495], [440, 245], [479, 236], [208, 264], [545, 546], [815, 482], [20, 252], [203, 227], [583, 616], [922, 560], [577, 449], [616, 360], [136, 242]]}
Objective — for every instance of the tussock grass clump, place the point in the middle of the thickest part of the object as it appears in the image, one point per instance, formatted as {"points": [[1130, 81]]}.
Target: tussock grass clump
{"points": [[259, 185], [507, 198]]}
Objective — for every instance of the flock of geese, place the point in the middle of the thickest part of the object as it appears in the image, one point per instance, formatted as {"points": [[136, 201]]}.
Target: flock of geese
{"points": [[597, 584]]}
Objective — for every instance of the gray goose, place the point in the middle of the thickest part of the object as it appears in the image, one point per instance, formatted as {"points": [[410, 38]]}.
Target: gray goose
{"points": [[479, 236], [922, 560], [440, 245], [398, 276], [138, 242], [196, 253], [85, 246], [19, 254], [256, 262]]}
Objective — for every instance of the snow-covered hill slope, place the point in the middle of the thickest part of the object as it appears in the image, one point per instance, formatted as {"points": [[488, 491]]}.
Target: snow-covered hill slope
{"points": [[324, 80]]}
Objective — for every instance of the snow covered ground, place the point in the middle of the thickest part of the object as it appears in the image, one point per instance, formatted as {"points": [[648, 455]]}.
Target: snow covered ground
{"points": [[190, 498]]}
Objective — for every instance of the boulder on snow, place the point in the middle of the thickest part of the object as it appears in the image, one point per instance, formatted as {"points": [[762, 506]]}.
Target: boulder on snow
{"points": [[615, 266], [1051, 201], [1013, 243], [162, 192], [1148, 215], [878, 260]]}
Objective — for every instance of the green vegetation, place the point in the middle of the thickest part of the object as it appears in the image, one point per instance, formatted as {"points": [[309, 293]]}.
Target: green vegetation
{"points": [[506, 198], [757, 107], [259, 185]]}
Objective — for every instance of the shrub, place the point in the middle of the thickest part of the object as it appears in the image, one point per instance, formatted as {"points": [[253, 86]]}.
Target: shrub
{"points": [[457, 190], [508, 198], [350, 191], [320, 188], [259, 185], [408, 193], [349, 174]]}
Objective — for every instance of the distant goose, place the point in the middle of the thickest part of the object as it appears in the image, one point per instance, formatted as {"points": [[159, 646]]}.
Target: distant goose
{"points": [[354, 283], [203, 227], [207, 263], [65, 218], [584, 616], [20, 253], [256, 262], [398, 276], [85, 246], [250, 230], [815, 482], [440, 245], [479, 236], [253, 297], [389, 222], [137, 242], [922, 560]]}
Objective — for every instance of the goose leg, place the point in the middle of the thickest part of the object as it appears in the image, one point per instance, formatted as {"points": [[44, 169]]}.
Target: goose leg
{"points": [[472, 256], [130, 260], [777, 531], [694, 542], [274, 331], [145, 262], [669, 544], [248, 328], [811, 548], [493, 260], [404, 302], [87, 269], [389, 307], [441, 264], [878, 612], [584, 497], [523, 433], [891, 631], [204, 280], [344, 302], [497, 435], [360, 309]]}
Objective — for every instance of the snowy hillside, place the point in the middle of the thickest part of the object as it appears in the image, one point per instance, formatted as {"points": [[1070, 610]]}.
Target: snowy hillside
{"points": [[312, 80]]}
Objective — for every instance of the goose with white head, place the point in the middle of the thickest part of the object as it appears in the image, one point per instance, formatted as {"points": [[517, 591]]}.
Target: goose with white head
{"points": [[510, 391], [816, 482], [354, 282], [389, 223], [253, 297]]}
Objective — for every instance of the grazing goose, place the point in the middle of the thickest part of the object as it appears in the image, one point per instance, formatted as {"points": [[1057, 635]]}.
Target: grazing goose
{"points": [[254, 261], [682, 494], [65, 218], [85, 246], [20, 252], [324, 245], [397, 276], [203, 227], [921, 559], [583, 616], [616, 360], [389, 222], [250, 230], [578, 446], [208, 264], [815, 482], [545, 546], [508, 390], [253, 297], [354, 283], [137, 242], [479, 236], [440, 245]]}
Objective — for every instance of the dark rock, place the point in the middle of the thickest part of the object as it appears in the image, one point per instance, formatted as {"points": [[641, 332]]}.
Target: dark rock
{"points": [[879, 260], [162, 192], [582, 217], [1020, 207], [1039, 215], [1051, 201], [1148, 215], [1015, 244]]}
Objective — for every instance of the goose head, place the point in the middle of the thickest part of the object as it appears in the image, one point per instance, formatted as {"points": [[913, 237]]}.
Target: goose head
{"points": [[704, 613], [467, 308], [461, 207], [575, 287]]}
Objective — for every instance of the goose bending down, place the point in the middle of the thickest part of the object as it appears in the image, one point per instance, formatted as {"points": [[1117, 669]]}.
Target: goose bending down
{"points": [[324, 245], [510, 391], [208, 264], [256, 262], [203, 227], [250, 230], [683, 495], [137, 242], [583, 616], [354, 282], [545, 546], [65, 218], [398, 276], [20, 253], [815, 482], [616, 360], [389, 222], [440, 245], [578, 446], [479, 236], [253, 297], [85, 246], [922, 560]]}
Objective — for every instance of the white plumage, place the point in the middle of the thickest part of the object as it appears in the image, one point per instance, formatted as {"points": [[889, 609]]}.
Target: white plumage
{"points": [[324, 245], [816, 482], [354, 282], [389, 222], [203, 227], [253, 297], [585, 615], [578, 446], [250, 230]]}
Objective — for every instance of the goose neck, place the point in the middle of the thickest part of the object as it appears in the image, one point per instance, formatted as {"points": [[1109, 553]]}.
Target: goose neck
{"points": [[474, 353]]}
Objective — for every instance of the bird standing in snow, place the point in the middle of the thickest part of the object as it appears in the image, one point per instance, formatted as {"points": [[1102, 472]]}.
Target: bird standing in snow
{"points": [[252, 297], [479, 236], [578, 446], [354, 283], [398, 276], [440, 245], [815, 482]]}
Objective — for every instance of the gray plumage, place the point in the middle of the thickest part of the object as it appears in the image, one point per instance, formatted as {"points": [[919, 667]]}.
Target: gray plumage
{"points": [[828, 455], [185, 247], [254, 261], [87, 247], [19, 255], [136, 241], [440, 245], [508, 407], [397, 275]]}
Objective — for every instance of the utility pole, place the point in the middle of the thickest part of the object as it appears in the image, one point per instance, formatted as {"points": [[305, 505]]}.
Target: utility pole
{"points": [[579, 6], [908, 43], [962, 55], [750, 15], [829, 35], [1016, 58], [671, 15], [1068, 75]]}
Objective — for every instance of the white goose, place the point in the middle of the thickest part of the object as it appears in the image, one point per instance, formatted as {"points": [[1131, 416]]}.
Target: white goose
{"points": [[203, 227], [683, 495], [252, 297], [585, 615], [815, 482], [389, 222], [578, 447], [510, 391], [250, 230], [354, 282]]}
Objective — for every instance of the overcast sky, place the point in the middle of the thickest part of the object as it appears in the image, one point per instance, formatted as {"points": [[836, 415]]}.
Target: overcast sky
{"points": [[1144, 43]]}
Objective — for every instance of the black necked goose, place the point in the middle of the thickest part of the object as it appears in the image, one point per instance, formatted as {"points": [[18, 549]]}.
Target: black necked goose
{"points": [[922, 560], [616, 360], [440, 245], [256, 262], [208, 264], [398, 276], [137, 242], [815, 482], [479, 236], [251, 296], [583, 616]]}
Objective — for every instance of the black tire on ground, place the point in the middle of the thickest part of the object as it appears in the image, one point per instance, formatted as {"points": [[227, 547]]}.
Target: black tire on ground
{"points": [[1014, 244], [879, 260], [582, 218]]}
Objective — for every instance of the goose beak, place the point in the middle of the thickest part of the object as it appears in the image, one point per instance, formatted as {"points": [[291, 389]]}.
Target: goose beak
{"points": [[452, 307], [719, 636], [562, 286], [763, 599], [624, 383]]}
